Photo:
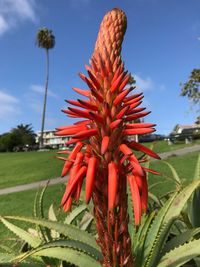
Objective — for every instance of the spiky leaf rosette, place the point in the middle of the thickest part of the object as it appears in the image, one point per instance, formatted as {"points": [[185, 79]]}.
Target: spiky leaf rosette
{"points": [[102, 155]]}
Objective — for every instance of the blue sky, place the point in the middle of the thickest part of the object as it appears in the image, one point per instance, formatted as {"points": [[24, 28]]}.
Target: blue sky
{"points": [[160, 49]]}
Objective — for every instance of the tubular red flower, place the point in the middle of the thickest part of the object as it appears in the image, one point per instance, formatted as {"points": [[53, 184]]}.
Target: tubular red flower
{"points": [[138, 131], [104, 144], [112, 185], [135, 199], [144, 149], [90, 178], [70, 159], [70, 188], [82, 92]]}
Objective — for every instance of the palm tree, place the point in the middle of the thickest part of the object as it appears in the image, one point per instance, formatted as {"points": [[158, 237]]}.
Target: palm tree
{"points": [[45, 39]]}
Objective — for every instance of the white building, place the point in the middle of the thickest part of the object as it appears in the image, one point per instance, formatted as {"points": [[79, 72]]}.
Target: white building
{"points": [[185, 128], [50, 139]]}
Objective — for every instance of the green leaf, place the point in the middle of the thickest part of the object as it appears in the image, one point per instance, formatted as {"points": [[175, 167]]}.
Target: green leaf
{"points": [[161, 226], [75, 213], [139, 241], [39, 213], [193, 209], [31, 240], [179, 256], [51, 214], [197, 169], [155, 199], [176, 177], [72, 244], [6, 259], [86, 221], [180, 239], [65, 229]]}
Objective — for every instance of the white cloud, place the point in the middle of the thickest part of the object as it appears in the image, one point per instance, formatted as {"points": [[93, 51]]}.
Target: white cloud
{"points": [[9, 105], [12, 12], [143, 83], [40, 89]]}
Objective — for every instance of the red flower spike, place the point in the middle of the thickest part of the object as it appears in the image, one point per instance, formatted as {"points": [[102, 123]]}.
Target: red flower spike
{"points": [[112, 184], [104, 144], [70, 188], [105, 160], [135, 199], [90, 178]]}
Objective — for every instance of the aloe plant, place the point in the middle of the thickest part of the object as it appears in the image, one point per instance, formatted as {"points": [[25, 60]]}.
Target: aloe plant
{"points": [[53, 242]]}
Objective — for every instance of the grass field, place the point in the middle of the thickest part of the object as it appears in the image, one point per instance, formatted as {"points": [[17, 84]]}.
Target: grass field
{"points": [[184, 165], [26, 167], [22, 203], [162, 146]]}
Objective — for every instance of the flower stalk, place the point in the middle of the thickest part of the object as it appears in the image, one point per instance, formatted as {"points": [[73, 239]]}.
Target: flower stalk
{"points": [[102, 155]]}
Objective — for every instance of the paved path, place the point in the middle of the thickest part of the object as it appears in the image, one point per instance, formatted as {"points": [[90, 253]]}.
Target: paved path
{"points": [[59, 180], [180, 151]]}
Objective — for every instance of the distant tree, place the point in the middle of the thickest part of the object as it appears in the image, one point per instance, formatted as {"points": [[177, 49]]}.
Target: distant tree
{"points": [[45, 39], [191, 88], [25, 134], [8, 141], [131, 80], [197, 120]]}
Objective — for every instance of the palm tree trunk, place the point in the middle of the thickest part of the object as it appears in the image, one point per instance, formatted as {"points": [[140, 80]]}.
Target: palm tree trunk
{"points": [[41, 144]]}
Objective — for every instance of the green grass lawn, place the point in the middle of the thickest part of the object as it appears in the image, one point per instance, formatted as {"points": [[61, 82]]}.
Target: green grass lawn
{"points": [[27, 167], [184, 165], [162, 146], [22, 203]]}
